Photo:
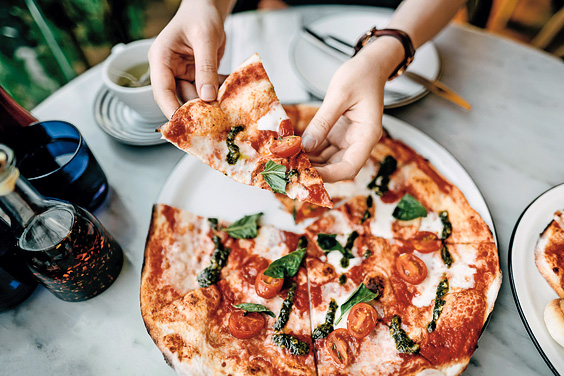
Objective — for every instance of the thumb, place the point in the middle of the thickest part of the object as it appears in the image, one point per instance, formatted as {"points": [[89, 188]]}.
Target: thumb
{"points": [[205, 56], [330, 111]]}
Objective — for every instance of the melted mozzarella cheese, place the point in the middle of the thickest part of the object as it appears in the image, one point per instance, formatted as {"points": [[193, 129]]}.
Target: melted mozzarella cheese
{"points": [[381, 223], [334, 258], [182, 263], [331, 290], [460, 275], [351, 188], [272, 119], [214, 154], [432, 223]]}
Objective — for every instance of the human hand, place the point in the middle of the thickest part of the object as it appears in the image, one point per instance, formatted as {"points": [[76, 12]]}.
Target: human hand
{"points": [[348, 124], [185, 56]]}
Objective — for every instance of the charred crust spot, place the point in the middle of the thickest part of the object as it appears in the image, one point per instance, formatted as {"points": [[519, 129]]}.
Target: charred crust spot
{"points": [[375, 283], [169, 213], [555, 270], [176, 345], [327, 271]]}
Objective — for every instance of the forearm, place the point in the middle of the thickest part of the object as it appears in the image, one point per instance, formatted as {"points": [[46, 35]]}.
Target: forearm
{"points": [[423, 19]]}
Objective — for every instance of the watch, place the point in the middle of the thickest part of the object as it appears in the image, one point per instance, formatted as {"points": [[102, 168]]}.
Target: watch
{"points": [[402, 36]]}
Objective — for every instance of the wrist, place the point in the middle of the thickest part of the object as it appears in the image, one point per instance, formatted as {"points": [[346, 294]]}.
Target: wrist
{"points": [[386, 53]]}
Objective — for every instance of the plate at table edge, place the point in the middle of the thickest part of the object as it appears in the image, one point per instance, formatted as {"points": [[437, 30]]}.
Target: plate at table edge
{"points": [[531, 302], [427, 61]]}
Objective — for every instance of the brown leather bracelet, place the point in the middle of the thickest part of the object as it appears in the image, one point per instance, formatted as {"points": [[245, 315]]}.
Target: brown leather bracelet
{"points": [[398, 34]]}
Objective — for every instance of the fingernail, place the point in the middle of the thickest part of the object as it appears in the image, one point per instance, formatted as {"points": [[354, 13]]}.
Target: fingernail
{"points": [[207, 92], [308, 142]]}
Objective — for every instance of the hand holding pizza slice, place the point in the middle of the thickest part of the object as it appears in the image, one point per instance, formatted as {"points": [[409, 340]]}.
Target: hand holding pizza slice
{"points": [[247, 135]]}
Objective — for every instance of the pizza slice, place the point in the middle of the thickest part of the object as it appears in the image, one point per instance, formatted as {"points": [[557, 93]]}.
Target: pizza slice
{"points": [[549, 253], [208, 306], [247, 136]]}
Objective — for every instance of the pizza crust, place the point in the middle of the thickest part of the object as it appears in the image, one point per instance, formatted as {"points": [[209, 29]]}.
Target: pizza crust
{"points": [[549, 255]]}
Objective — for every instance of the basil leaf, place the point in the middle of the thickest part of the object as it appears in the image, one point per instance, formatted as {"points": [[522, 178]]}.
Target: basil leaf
{"points": [[409, 208], [244, 228], [286, 266], [361, 295], [328, 242], [253, 307], [275, 176]]}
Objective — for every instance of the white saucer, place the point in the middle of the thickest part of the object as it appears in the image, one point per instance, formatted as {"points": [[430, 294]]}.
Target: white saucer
{"points": [[315, 67], [122, 123]]}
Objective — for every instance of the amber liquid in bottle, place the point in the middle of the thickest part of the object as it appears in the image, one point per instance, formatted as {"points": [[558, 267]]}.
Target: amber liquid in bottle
{"points": [[77, 259]]}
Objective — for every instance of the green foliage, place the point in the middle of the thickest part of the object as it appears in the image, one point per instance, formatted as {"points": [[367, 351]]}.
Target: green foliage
{"points": [[29, 70]]}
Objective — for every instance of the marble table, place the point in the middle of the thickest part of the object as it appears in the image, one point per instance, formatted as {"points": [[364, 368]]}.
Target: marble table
{"points": [[510, 143]]}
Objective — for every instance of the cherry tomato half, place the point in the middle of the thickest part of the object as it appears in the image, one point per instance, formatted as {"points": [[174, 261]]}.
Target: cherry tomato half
{"points": [[268, 287], [338, 347], [244, 325], [285, 128], [362, 320], [287, 146], [411, 268], [426, 242]]}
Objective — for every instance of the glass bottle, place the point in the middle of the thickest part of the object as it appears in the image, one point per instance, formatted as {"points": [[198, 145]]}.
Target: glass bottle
{"points": [[67, 248], [16, 281]]}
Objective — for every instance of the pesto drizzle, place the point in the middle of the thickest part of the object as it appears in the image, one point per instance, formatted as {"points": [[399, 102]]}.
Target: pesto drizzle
{"points": [[283, 340], [293, 344], [213, 223], [291, 173], [369, 203], [442, 290], [234, 152], [211, 274], [447, 231], [447, 226], [382, 178], [404, 344], [286, 308], [446, 256], [323, 330]]}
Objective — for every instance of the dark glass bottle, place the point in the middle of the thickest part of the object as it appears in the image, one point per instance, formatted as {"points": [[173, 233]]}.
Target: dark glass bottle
{"points": [[66, 247], [16, 281]]}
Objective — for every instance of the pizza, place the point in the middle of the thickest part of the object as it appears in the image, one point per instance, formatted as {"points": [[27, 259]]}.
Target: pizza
{"points": [[247, 135], [398, 278]]}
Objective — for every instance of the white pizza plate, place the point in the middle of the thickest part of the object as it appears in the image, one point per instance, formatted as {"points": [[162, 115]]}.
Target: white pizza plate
{"points": [[314, 66], [530, 290], [195, 187]]}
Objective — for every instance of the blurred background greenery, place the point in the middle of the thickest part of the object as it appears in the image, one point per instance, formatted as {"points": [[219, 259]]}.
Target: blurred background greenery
{"points": [[46, 43]]}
